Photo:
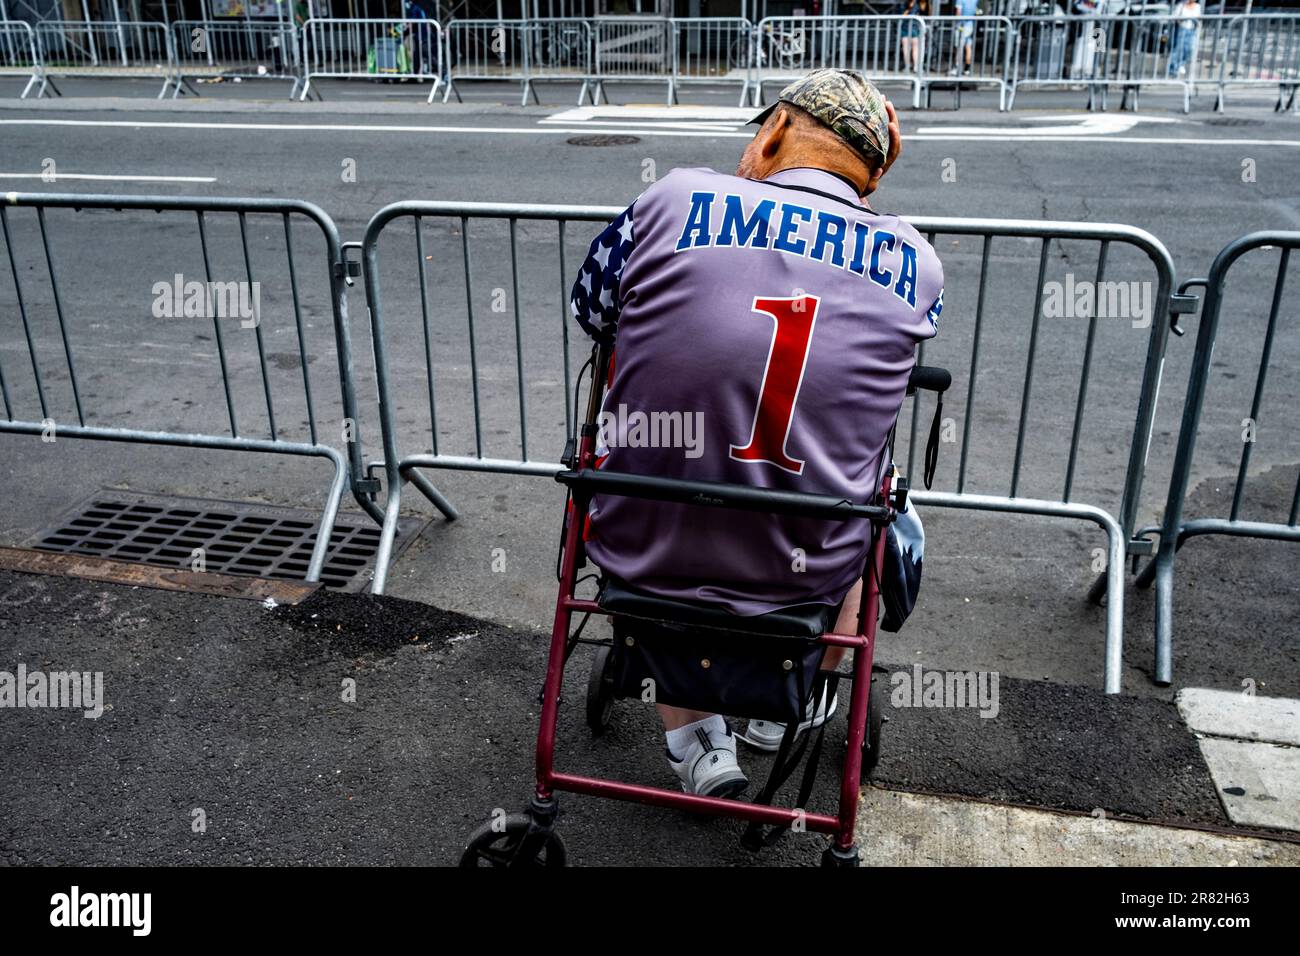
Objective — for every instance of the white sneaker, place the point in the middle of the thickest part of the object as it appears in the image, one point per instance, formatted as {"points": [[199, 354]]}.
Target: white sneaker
{"points": [[709, 768], [766, 734]]}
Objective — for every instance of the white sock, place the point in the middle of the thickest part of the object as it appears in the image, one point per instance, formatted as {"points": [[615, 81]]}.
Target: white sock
{"points": [[680, 740]]}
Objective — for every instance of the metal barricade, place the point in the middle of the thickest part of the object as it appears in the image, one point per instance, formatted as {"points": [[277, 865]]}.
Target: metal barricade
{"points": [[486, 50], [1261, 50], [633, 49], [467, 430], [1056, 51], [1213, 42], [393, 49], [885, 49], [714, 50], [122, 49], [469, 357], [559, 49], [1227, 417], [967, 51], [232, 49], [1100, 52], [1103, 322], [18, 55], [224, 286]]}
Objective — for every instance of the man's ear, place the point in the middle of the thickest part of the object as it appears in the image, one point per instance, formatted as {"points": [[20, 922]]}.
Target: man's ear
{"points": [[773, 132], [874, 179]]}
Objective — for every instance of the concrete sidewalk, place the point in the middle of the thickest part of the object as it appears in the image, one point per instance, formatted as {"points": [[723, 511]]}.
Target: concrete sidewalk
{"points": [[909, 829]]}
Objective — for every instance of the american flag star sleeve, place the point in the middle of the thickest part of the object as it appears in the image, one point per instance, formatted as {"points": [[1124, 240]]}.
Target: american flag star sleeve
{"points": [[595, 300]]}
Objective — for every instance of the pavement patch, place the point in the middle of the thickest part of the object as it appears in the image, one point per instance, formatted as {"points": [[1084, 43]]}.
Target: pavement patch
{"points": [[332, 625], [1057, 746]]}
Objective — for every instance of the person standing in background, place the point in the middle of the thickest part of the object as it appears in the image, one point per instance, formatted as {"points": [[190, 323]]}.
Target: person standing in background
{"points": [[964, 39], [1183, 42], [910, 33]]}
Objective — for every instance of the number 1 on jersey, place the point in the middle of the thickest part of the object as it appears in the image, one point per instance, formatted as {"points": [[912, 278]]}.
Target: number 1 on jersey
{"points": [[794, 318]]}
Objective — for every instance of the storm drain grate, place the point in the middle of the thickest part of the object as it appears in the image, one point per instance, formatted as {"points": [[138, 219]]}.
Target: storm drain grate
{"points": [[262, 541]]}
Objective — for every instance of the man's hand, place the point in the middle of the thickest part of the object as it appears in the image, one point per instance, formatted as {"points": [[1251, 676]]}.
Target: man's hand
{"points": [[895, 138], [895, 150]]}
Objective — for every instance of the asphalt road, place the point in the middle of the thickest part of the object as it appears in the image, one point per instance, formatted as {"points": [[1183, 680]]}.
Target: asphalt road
{"points": [[1000, 592]]}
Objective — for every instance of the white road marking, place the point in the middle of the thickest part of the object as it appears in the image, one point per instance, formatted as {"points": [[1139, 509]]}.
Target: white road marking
{"points": [[1171, 140], [658, 126], [343, 127], [112, 178], [1095, 124], [736, 116], [986, 135]]}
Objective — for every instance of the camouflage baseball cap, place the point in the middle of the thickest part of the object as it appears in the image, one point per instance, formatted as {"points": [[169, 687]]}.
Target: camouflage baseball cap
{"points": [[851, 106]]}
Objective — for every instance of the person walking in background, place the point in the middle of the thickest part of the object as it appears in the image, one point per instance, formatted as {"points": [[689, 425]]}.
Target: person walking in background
{"points": [[1183, 42], [910, 34]]}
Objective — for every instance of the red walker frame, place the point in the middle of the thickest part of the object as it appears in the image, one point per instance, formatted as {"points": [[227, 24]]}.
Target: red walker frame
{"points": [[549, 780]]}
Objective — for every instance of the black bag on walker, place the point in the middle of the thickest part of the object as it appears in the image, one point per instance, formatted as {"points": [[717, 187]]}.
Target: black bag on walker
{"points": [[744, 675]]}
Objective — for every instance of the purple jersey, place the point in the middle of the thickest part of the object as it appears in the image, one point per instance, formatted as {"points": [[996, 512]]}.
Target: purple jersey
{"points": [[764, 333]]}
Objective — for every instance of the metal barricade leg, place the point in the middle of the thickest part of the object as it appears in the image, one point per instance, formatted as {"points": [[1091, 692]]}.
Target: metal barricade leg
{"points": [[429, 490], [384, 555], [1164, 578], [1115, 545], [326, 528]]}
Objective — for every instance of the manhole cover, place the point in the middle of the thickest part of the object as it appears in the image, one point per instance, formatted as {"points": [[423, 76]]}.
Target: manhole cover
{"points": [[1232, 121], [263, 541], [603, 139]]}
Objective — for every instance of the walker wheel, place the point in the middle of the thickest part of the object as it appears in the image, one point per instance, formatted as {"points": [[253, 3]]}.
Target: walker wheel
{"points": [[509, 842], [600, 691], [875, 718], [835, 859]]}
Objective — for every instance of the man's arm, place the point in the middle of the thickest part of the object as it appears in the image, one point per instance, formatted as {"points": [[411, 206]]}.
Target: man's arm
{"points": [[596, 299], [932, 314]]}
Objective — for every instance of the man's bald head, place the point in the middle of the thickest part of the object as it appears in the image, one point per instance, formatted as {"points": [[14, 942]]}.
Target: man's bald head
{"points": [[791, 138]]}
